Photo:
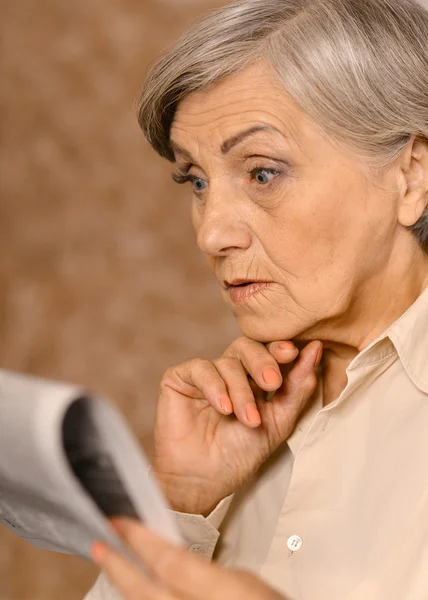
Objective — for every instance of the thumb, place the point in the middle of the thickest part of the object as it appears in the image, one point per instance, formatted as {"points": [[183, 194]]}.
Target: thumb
{"points": [[295, 393]]}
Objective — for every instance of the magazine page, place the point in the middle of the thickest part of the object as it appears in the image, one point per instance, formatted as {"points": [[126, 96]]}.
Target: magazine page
{"points": [[67, 462]]}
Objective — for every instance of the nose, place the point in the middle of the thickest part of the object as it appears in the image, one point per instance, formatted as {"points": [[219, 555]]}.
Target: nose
{"points": [[221, 228]]}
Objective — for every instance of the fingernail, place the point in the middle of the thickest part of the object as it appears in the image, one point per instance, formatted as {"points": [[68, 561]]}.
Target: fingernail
{"points": [[226, 404], [252, 413], [287, 346], [271, 375], [319, 356], [98, 551]]}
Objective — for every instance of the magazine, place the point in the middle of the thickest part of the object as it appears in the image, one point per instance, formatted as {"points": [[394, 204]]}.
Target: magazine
{"points": [[68, 462]]}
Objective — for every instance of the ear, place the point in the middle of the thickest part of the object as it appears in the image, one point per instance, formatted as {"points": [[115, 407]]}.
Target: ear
{"points": [[413, 182]]}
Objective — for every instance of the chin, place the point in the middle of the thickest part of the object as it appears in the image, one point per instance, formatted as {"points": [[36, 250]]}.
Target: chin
{"points": [[266, 330]]}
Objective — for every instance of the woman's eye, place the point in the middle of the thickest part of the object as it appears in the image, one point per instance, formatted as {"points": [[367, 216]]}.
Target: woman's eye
{"points": [[198, 184], [263, 176]]}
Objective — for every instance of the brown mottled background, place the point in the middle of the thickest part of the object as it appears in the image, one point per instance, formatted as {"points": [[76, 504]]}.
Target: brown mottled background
{"points": [[101, 281]]}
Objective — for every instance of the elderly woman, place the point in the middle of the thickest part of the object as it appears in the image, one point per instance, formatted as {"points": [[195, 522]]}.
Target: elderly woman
{"points": [[299, 456]]}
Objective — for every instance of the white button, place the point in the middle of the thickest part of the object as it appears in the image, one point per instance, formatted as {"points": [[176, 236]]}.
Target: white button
{"points": [[197, 549], [294, 543]]}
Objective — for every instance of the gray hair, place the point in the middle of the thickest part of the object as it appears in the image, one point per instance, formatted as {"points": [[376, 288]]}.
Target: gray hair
{"points": [[358, 68]]}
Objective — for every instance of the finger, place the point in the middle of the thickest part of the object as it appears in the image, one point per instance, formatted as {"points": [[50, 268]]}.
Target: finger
{"points": [[259, 394], [181, 572], [199, 378], [128, 580], [283, 352], [305, 367], [290, 400], [260, 363], [239, 390]]}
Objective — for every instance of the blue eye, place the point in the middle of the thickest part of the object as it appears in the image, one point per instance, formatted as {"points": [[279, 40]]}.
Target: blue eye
{"points": [[263, 176], [198, 184]]}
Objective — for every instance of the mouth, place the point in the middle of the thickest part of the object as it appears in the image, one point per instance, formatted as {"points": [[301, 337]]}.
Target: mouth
{"points": [[243, 282], [241, 290]]}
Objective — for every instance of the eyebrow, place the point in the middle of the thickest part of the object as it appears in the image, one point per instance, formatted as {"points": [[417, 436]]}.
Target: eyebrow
{"points": [[240, 137], [227, 146]]}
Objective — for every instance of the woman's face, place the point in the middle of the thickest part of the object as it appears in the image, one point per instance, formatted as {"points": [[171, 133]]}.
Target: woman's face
{"points": [[275, 201]]}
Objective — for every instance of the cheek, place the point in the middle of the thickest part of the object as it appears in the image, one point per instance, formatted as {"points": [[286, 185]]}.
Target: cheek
{"points": [[196, 217], [315, 231]]}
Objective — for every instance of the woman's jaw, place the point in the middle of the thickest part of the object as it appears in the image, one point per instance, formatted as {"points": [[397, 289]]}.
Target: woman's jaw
{"points": [[345, 322]]}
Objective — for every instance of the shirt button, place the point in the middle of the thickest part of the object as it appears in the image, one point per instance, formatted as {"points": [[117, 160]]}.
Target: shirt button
{"points": [[197, 549], [294, 543]]}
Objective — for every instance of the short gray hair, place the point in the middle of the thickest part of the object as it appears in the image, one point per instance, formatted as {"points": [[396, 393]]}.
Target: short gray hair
{"points": [[358, 68]]}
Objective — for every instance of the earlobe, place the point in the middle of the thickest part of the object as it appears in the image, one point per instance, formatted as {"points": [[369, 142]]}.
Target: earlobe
{"points": [[410, 214]]}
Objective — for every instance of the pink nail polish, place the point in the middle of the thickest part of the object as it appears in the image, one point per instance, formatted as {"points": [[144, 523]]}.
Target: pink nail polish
{"points": [[271, 376], [253, 415], [226, 404], [319, 357], [287, 346], [98, 551]]}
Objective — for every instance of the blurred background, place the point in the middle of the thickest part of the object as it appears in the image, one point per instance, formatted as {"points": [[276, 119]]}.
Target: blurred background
{"points": [[101, 280]]}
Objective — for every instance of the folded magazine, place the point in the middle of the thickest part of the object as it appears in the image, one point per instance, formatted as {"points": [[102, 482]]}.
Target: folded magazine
{"points": [[68, 462]]}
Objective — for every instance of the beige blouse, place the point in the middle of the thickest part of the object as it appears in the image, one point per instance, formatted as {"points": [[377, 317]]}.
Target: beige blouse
{"points": [[340, 512]]}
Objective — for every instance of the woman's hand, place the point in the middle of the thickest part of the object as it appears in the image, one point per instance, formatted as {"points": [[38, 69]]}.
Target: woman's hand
{"points": [[214, 427], [177, 574]]}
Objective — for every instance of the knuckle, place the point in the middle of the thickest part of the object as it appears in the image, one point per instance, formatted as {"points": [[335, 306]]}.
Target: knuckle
{"points": [[261, 354], [308, 384], [237, 345], [163, 386], [201, 364], [174, 369], [172, 372], [169, 373], [229, 362], [242, 394], [241, 341], [298, 382], [167, 378], [204, 370], [269, 362]]}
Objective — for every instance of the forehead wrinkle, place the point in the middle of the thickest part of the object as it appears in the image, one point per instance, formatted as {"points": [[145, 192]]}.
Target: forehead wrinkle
{"points": [[235, 86], [205, 112], [248, 118], [194, 106], [213, 109], [215, 119]]}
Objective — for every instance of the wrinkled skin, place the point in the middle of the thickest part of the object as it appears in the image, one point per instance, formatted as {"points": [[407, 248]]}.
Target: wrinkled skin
{"points": [[289, 206]]}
